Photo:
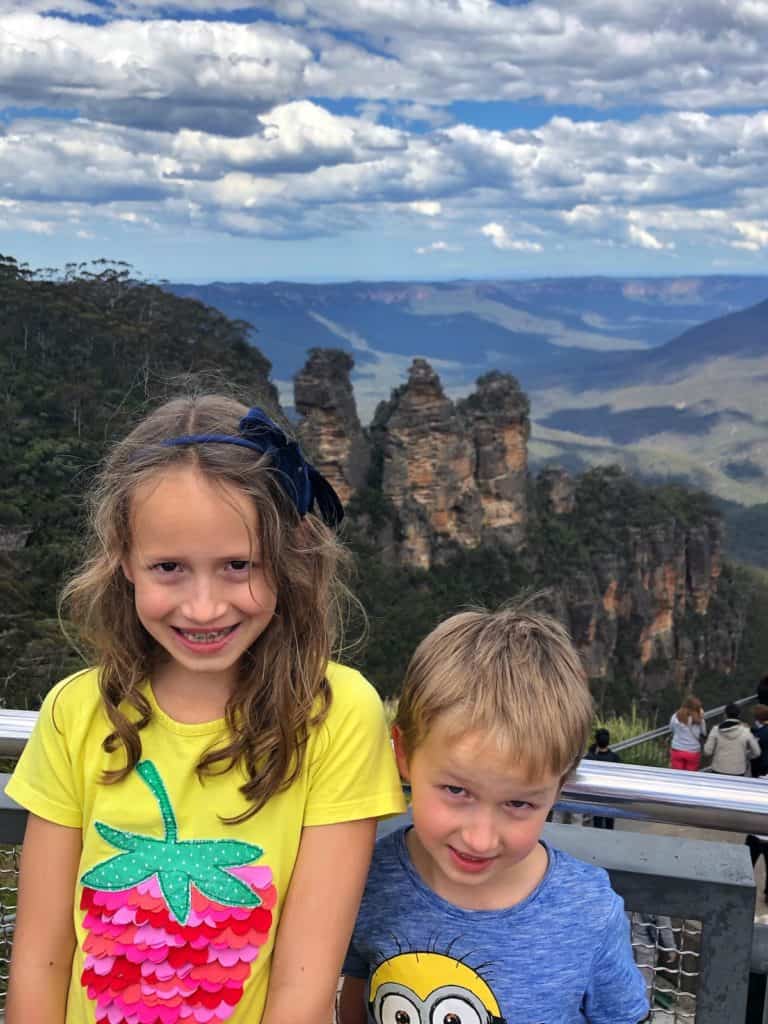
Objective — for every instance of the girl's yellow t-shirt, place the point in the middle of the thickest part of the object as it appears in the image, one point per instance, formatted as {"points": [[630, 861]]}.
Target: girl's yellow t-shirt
{"points": [[176, 913]]}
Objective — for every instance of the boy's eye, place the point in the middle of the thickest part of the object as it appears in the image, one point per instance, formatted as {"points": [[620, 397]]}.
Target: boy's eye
{"points": [[518, 804], [455, 790]]}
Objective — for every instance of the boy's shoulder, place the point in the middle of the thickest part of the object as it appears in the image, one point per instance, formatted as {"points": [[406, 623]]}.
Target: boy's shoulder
{"points": [[574, 880]]}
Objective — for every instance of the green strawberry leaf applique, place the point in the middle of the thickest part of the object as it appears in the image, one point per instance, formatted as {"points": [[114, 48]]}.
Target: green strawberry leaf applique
{"points": [[177, 863]]}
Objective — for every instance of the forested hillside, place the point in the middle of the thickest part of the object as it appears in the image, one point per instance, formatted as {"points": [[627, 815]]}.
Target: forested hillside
{"points": [[83, 355], [80, 358]]}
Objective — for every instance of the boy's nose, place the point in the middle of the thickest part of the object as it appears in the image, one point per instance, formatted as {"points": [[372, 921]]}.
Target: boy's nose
{"points": [[480, 835]]}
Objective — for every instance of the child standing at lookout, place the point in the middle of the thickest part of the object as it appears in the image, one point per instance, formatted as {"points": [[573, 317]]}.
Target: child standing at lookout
{"points": [[469, 917], [193, 798]]}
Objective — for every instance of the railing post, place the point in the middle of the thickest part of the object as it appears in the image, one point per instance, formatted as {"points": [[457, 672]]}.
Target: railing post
{"points": [[690, 879]]}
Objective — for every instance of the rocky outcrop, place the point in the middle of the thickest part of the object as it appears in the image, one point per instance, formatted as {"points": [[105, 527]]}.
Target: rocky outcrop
{"points": [[557, 489], [428, 467], [455, 475], [497, 416], [330, 431], [642, 609]]}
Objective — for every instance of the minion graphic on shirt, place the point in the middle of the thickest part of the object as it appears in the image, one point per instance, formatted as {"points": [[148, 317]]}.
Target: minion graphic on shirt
{"points": [[430, 988]]}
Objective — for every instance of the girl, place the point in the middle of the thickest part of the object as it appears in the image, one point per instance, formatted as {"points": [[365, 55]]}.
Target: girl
{"points": [[202, 804], [688, 730]]}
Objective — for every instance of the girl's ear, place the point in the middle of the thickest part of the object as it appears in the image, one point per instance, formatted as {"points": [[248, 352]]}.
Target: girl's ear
{"points": [[125, 565], [400, 755]]}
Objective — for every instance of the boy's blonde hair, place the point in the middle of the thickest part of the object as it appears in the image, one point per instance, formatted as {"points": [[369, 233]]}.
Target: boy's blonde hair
{"points": [[513, 674]]}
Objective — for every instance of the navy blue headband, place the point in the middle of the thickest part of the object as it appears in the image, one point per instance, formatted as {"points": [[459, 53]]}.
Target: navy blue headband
{"points": [[298, 478]]}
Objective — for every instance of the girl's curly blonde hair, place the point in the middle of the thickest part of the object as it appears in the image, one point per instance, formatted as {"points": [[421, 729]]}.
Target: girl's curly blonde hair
{"points": [[282, 689]]}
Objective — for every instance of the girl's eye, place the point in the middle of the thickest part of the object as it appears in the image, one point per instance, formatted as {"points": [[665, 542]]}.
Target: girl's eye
{"points": [[239, 564], [165, 568]]}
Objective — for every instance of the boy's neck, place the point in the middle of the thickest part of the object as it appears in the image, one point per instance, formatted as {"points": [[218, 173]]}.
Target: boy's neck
{"points": [[500, 894]]}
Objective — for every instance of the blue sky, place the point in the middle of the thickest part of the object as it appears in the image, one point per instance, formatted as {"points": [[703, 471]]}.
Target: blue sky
{"points": [[417, 139]]}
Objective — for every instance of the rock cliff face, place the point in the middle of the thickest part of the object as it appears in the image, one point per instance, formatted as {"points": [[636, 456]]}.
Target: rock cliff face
{"points": [[331, 429], [643, 605], [428, 469], [636, 590]]}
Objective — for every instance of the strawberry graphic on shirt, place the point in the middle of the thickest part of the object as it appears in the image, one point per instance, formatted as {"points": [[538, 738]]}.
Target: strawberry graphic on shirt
{"points": [[173, 924]]}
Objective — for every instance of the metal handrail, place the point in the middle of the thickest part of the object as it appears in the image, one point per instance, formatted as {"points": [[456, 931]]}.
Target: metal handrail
{"points": [[15, 729], [703, 800], [666, 730]]}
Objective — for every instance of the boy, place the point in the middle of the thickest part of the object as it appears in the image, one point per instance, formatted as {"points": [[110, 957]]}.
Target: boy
{"points": [[468, 917]]}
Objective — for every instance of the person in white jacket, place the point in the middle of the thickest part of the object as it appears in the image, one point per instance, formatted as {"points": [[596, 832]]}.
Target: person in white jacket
{"points": [[731, 745]]}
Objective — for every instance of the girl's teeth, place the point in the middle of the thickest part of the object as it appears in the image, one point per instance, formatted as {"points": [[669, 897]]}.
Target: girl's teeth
{"points": [[205, 638]]}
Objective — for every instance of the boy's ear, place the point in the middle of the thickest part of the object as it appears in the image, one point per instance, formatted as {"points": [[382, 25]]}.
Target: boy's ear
{"points": [[400, 755]]}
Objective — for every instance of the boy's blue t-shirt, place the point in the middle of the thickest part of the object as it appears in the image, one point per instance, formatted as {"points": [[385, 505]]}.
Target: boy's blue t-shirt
{"points": [[561, 956]]}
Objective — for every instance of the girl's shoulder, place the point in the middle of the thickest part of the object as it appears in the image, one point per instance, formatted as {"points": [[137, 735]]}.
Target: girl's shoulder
{"points": [[350, 689], [76, 698]]}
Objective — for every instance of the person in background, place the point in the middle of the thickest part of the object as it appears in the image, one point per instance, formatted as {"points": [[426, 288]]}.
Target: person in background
{"points": [[760, 731], [762, 690], [758, 847], [600, 750], [688, 732], [731, 745]]}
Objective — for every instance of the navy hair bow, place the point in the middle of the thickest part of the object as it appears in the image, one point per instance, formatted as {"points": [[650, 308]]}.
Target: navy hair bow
{"points": [[299, 479]]}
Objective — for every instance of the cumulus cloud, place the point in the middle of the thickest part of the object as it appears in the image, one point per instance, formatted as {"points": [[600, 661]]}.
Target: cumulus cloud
{"points": [[332, 116], [693, 54], [151, 74], [426, 207], [500, 239], [139, 65], [754, 236], [422, 250], [642, 237]]}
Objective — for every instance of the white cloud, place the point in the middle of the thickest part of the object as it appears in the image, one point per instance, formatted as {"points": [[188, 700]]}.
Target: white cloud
{"points": [[422, 250], [754, 236], [426, 207], [639, 236], [500, 239]]}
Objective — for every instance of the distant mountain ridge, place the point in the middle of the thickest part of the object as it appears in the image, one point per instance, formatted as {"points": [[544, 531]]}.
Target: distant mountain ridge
{"points": [[692, 408], [660, 375], [539, 329]]}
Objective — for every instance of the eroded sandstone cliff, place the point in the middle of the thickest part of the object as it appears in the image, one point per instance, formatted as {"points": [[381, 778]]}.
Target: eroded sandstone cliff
{"points": [[634, 572]]}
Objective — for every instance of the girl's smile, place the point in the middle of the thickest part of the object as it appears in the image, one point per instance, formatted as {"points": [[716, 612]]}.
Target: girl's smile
{"points": [[200, 587]]}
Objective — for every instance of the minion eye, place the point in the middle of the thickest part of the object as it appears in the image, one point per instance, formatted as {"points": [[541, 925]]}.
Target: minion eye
{"points": [[453, 1010], [396, 1009]]}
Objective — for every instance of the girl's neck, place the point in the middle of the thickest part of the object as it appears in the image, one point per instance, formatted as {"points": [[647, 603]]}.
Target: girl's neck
{"points": [[190, 697]]}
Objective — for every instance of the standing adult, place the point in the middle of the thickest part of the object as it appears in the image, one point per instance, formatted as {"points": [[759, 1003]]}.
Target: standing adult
{"points": [[688, 731], [760, 731], [731, 745]]}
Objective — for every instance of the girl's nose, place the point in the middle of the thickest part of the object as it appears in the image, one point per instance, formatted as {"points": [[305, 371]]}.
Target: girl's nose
{"points": [[203, 605]]}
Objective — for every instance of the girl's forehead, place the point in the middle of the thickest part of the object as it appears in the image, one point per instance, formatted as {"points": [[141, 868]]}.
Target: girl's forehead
{"points": [[182, 502]]}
